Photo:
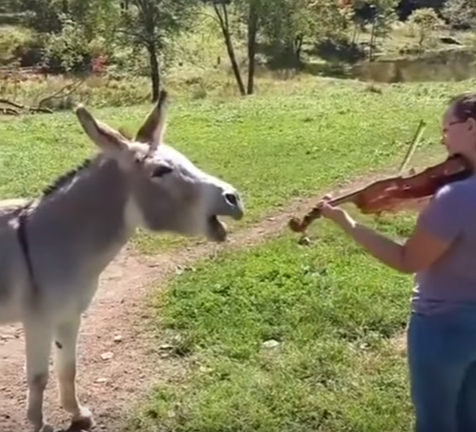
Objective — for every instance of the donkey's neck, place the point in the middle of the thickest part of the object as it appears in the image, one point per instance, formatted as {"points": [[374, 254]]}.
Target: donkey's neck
{"points": [[85, 221]]}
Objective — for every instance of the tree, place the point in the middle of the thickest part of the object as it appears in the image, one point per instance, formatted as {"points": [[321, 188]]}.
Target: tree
{"points": [[259, 17], [425, 22], [222, 12], [288, 23], [460, 14], [149, 23], [380, 14], [67, 31]]}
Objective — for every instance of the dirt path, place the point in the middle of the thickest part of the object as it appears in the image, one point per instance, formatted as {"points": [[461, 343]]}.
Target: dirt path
{"points": [[118, 360]]}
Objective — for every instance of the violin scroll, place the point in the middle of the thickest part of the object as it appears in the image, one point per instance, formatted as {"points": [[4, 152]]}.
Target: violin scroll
{"points": [[300, 225]]}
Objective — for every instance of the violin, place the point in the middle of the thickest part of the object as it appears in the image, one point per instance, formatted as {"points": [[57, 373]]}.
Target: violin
{"points": [[389, 193]]}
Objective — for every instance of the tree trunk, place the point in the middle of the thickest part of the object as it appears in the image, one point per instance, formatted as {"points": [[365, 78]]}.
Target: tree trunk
{"points": [[154, 71], [372, 41], [354, 35], [225, 29], [252, 31], [298, 43]]}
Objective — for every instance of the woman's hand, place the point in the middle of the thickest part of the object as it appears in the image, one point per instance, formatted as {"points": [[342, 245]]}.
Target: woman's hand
{"points": [[335, 214], [385, 250]]}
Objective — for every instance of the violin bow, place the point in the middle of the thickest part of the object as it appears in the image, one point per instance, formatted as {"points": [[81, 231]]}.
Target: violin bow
{"points": [[413, 145], [411, 150]]}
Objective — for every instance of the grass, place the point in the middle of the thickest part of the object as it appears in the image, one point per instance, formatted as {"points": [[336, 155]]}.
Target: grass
{"points": [[289, 338], [332, 311]]}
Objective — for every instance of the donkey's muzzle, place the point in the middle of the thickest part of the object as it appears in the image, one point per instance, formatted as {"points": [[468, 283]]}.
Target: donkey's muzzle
{"points": [[233, 206]]}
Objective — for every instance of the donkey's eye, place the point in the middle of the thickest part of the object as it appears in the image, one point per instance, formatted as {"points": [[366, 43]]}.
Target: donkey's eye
{"points": [[161, 170]]}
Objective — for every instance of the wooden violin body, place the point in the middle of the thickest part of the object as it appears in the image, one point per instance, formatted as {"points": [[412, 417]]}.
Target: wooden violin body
{"points": [[386, 194]]}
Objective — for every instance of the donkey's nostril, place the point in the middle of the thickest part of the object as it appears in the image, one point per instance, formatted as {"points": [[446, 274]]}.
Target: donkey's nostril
{"points": [[231, 199]]}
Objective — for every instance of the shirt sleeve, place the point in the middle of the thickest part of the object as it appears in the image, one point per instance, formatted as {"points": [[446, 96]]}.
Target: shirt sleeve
{"points": [[443, 215]]}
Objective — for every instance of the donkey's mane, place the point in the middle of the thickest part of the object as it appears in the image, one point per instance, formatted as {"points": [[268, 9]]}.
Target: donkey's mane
{"points": [[65, 178]]}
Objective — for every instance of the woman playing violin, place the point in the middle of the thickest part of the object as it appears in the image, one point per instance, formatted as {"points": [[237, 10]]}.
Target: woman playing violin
{"points": [[441, 252]]}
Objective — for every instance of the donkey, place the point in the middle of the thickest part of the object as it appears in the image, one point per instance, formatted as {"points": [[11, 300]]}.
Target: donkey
{"points": [[53, 249]]}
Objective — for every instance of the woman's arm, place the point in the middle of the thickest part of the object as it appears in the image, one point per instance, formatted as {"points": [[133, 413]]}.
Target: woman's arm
{"points": [[437, 227], [417, 253]]}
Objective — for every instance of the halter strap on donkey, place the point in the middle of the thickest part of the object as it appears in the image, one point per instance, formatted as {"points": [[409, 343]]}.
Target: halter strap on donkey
{"points": [[23, 240]]}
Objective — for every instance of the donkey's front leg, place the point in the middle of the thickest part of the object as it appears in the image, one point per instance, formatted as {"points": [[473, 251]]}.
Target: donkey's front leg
{"points": [[65, 358], [38, 338]]}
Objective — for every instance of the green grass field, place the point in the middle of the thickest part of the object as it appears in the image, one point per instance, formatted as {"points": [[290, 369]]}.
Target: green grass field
{"points": [[272, 147], [332, 311]]}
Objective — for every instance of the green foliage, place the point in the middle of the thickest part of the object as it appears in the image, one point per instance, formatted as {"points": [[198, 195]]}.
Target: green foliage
{"points": [[43, 15], [153, 38], [384, 17], [332, 18], [460, 13], [68, 49], [12, 39], [149, 22], [13, 19], [96, 18], [424, 22], [69, 33], [9, 6], [48, 16]]}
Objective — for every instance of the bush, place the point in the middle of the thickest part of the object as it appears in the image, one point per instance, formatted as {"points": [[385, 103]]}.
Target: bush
{"points": [[30, 53], [423, 24], [70, 51], [11, 40]]}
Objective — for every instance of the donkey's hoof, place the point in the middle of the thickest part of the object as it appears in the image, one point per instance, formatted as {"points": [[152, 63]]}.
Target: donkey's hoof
{"points": [[84, 421]]}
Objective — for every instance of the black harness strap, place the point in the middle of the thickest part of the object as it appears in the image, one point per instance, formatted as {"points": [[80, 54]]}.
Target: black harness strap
{"points": [[23, 240]]}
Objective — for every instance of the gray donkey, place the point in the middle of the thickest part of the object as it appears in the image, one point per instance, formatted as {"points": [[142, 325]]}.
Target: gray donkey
{"points": [[53, 250]]}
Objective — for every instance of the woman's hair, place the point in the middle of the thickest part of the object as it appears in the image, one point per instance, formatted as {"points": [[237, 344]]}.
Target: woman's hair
{"points": [[464, 106]]}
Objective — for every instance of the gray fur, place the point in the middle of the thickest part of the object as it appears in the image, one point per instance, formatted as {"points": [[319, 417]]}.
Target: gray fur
{"points": [[80, 223]]}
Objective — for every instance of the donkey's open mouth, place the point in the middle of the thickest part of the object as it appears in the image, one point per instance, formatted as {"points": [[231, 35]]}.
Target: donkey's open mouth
{"points": [[216, 229]]}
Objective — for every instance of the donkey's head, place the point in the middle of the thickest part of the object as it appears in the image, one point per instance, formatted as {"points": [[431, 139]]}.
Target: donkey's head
{"points": [[167, 191]]}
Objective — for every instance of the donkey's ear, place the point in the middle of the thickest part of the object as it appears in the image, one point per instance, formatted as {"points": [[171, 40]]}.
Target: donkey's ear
{"points": [[153, 128], [106, 138]]}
